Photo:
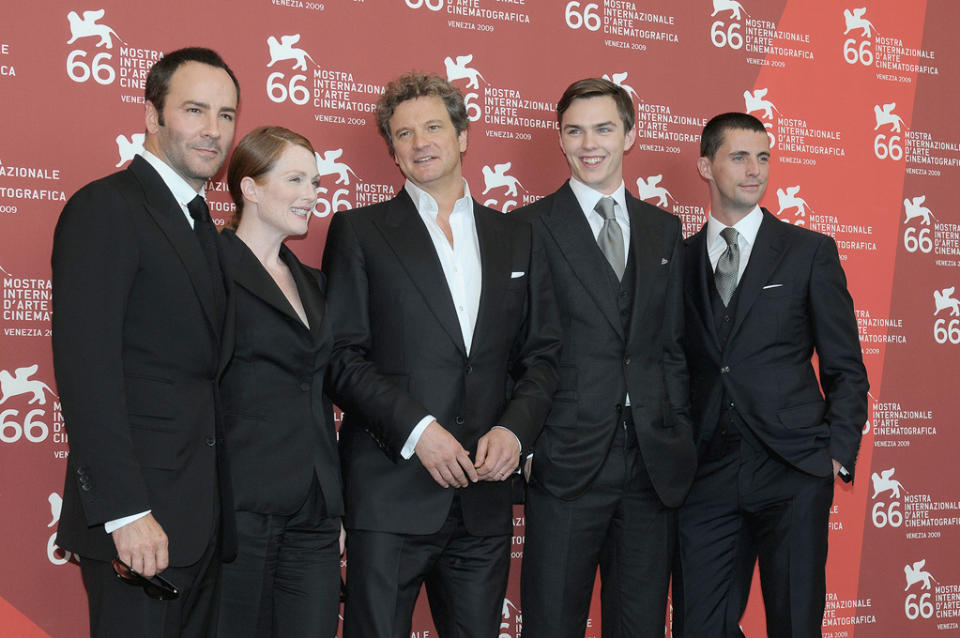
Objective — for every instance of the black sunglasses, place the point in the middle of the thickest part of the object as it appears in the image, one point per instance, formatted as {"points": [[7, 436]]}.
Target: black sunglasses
{"points": [[158, 587]]}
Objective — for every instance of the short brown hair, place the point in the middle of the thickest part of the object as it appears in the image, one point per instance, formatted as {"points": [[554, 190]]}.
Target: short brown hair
{"points": [[410, 86], [158, 78], [255, 156], [711, 139], [596, 87]]}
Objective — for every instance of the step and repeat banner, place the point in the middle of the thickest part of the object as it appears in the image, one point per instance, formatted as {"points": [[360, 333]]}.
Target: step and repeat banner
{"points": [[858, 98]]}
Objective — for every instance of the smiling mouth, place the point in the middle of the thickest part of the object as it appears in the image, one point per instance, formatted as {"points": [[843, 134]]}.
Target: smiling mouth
{"points": [[591, 161], [301, 212], [423, 160]]}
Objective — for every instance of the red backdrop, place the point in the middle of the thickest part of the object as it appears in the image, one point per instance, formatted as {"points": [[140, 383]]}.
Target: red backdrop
{"points": [[856, 101]]}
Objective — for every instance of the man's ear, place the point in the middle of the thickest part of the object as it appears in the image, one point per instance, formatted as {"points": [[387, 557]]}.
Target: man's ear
{"points": [[151, 118], [706, 170]]}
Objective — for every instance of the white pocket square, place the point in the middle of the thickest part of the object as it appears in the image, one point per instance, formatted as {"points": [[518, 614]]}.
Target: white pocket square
{"points": [[772, 286], [664, 261], [517, 274]]}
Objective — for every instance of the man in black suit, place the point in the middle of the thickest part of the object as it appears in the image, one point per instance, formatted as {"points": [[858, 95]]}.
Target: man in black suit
{"points": [[761, 297], [616, 455], [138, 344], [436, 303]]}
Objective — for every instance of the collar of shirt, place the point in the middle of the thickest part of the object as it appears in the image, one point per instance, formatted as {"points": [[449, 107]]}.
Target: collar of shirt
{"points": [[181, 190], [427, 206], [747, 229], [588, 197]]}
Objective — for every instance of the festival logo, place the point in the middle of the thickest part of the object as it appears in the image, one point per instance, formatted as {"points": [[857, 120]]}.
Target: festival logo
{"points": [[19, 394], [787, 199], [87, 27], [279, 88], [764, 42], [506, 112], [946, 329], [20, 383], [459, 69], [328, 165], [26, 306], [129, 148], [497, 177], [893, 60], [284, 50], [886, 513], [650, 188], [97, 57]]}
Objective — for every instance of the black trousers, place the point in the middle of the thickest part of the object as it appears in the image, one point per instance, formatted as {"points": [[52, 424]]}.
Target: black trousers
{"points": [[620, 525], [465, 577], [748, 505], [121, 610], [285, 580]]}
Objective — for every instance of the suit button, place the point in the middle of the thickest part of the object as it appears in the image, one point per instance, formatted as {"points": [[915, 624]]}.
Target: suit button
{"points": [[619, 408], [305, 386], [724, 369], [210, 441], [731, 405], [469, 369], [459, 420], [623, 294], [626, 361], [726, 318]]}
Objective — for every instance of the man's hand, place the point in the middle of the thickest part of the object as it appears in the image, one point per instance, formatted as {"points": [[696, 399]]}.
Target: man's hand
{"points": [[443, 456], [497, 455], [836, 467], [142, 545]]}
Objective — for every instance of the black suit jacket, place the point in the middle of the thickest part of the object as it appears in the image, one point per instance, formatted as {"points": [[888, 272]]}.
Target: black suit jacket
{"points": [[793, 300], [137, 350], [278, 423], [399, 356], [601, 361]]}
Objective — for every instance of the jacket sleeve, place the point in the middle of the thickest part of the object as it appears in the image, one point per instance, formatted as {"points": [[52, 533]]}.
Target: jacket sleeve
{"points": [[387, 411]]}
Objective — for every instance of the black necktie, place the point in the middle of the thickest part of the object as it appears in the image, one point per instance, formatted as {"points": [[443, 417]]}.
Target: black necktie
{"points": [[728, 266], [207, 237]]}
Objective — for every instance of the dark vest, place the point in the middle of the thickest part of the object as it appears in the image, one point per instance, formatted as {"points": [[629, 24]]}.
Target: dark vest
{"points": [[729, 422]]}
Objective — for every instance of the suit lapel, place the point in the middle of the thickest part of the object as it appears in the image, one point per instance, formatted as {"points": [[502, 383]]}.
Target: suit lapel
{"points": [[250, 275], [495, 267], [768, 250], [645, 241], [404, 231], [166, 212], [568, 226], [696, 258], [309, 289]]}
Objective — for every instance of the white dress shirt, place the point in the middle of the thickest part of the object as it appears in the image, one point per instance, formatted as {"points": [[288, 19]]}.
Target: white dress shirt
{"points": [[461, 268], [184, 193]]}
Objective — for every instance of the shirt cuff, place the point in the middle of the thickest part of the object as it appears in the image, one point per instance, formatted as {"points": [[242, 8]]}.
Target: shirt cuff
{"points": [[414, 438], [112, 526]]}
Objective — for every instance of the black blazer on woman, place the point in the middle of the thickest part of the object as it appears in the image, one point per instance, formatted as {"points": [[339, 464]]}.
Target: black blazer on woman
{"points": [[278, 423]]}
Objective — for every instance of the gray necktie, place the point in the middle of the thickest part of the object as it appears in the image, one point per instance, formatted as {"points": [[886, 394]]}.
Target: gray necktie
{"points": [[727, 267], [610, 238]]}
